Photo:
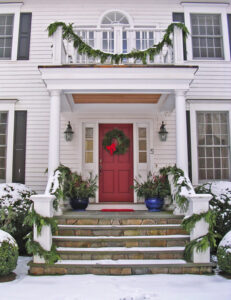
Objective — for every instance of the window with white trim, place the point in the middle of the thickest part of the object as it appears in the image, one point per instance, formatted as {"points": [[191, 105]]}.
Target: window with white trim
{"points": [[142, 136], [6, 35], [3, 145], [213, 145], [207, 41], [89, 131]]}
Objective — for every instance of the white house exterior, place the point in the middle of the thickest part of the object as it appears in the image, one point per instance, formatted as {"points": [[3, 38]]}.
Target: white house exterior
{"points": [[50, 84]]}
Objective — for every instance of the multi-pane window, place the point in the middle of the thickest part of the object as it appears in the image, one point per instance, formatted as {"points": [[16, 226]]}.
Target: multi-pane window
{"points": [[213, 145], [3, 145], [142, 138], [6, 35], [144, 39], [206, 33], [88, 145], [108, 41], [88, 36]]}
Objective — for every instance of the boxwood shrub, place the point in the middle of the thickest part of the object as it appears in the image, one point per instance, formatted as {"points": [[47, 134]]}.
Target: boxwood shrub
{"points": [[224, 253], [8, 253]]}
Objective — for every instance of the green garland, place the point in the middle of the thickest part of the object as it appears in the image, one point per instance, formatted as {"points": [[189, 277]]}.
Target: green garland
{"points": [[83, 48], [182, 201], [203, 242], [34, 247], [122, 140]]}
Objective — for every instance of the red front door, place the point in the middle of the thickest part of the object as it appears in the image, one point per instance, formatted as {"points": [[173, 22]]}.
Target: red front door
{"points": [[115, 171]]}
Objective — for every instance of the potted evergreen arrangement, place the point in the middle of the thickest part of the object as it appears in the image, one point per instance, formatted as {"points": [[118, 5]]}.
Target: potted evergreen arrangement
{"points": [[81, 190], [154, 189]]}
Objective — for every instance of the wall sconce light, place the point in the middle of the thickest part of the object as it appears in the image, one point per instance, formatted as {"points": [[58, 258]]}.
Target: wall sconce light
{"points": [[68, 132], [163, 132]]}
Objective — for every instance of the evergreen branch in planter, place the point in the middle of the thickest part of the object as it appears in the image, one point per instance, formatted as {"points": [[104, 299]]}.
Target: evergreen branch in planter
{"points": [[84, 48]]}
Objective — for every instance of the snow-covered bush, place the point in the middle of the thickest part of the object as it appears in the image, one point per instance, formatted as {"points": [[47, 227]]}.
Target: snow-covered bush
{"points": [[14, 205], [224, 253], [220, 203], [8, 253]]}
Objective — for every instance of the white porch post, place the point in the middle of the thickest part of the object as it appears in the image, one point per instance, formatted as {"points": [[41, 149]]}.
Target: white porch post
{"points": [[54, 132], [181, 132]]}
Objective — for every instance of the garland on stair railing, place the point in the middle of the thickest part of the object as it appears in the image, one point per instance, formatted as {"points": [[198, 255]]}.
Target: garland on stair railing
{"points": [[179, 181], [201, 243], [84, 48], [33, 247]]}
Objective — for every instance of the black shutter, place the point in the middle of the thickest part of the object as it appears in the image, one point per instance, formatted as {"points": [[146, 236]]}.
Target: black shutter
{"points": [[189, 144], [19, 146], [229, 28], [179, 17], [24, 36]]}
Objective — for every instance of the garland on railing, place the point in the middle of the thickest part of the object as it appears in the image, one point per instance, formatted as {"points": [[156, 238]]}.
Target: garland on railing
{"points": [[201, 243], [84, 48], [34, 247], [178, 174]]}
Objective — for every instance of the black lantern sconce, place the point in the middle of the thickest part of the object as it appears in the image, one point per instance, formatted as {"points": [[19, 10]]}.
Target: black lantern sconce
{"points": [[69, 132], [163, 132]]}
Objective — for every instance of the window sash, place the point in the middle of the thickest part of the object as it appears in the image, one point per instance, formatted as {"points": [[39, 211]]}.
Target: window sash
{"points": [[213, 145], [3, 145], [6, 35], [207, 45]]}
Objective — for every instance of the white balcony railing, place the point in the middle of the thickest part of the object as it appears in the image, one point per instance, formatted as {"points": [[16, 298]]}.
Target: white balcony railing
{"points": [[118, 40]]}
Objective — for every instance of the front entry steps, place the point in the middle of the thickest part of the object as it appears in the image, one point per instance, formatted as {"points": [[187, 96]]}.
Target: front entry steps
{"points": [[120, 244]]}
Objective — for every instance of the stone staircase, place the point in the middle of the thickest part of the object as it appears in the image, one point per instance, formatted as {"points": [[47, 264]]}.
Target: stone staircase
{"points": [[120, 244]]}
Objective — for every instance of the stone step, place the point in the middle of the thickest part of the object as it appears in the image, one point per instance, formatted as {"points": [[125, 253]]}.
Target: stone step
{"points": [[118, 218], [121, 241], [120, 267], [119, 230], [120, 253]]}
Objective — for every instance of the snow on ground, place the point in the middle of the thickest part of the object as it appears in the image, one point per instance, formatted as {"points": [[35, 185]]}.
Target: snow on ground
{"points": [[92, 287], [221, 187], [11, 192]]}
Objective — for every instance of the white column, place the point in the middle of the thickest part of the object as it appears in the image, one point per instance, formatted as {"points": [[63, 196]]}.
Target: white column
{"points": [[181, 132], [178, 46], [43, 205], [54, 133]]}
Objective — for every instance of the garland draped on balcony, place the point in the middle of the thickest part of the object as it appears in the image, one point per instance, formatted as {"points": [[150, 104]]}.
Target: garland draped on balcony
{"points": [[83, 48]]}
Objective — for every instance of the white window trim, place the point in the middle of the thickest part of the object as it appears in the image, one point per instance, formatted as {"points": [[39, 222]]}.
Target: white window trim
{"points": [[207, 8], [12, 8], [194, 108], [9, 107]]}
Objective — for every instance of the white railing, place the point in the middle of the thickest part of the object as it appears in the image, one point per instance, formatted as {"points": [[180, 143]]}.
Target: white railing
{"points": [[118, 40], [198, 203]]}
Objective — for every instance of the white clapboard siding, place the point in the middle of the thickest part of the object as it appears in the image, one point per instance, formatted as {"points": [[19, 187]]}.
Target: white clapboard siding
{"points": [[22, 80]]}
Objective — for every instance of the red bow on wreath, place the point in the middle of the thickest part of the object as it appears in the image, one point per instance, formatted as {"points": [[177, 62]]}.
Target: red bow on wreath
{"points": [[111, 148]]}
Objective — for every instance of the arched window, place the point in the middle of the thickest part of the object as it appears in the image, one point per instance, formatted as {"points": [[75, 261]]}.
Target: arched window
{"points": [[115, 17], [114, 37]]}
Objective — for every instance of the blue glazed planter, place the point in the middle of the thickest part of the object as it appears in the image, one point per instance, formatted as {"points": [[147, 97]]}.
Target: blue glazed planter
{"points": [[154, 204], [79, 204]]}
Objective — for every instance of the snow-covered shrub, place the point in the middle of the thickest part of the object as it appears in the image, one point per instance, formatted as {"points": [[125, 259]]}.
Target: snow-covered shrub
{"points": [[8, 253], [224, 253], [14, 205], [220, 203]]}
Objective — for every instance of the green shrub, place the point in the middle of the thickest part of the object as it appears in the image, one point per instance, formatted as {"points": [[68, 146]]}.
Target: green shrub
{"points": [[8, 253], [14, 205], [220, 204], [224, 253]]}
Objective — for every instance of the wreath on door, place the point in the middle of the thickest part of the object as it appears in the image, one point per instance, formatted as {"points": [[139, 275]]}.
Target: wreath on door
{"points": [[116, 142]]}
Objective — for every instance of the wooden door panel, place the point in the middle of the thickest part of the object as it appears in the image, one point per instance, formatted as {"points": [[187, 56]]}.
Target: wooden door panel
{"points": [[116, 172]]}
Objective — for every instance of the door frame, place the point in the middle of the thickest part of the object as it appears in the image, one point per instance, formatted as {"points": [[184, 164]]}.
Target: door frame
{"points": [[137, 167]]}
